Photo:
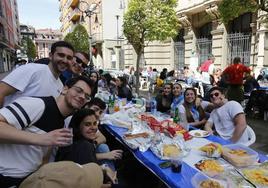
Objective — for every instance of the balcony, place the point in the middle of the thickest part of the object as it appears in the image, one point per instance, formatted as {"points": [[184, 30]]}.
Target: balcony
{"points": [[75, 14], [72, 3], [96, 38]]}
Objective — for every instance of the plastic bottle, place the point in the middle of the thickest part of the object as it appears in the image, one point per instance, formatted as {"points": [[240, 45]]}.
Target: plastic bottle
{"points": [[176, 118], [116, 106], [148, 104], [111, 105], [153, 106]]}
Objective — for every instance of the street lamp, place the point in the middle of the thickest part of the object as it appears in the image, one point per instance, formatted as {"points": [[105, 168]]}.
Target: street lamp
{"points": [[89, 10]]}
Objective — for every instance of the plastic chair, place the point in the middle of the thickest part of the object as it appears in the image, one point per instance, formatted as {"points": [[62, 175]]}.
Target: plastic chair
{"points": [[251, 136]]}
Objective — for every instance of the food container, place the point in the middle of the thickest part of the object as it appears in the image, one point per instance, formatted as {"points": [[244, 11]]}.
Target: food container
{"points": [[258, 175], [199, 178], [239, 155], [213, 150], [210, 167]]}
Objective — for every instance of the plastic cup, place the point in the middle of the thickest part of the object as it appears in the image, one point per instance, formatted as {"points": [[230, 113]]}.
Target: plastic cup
{"points": [[176, 165]]}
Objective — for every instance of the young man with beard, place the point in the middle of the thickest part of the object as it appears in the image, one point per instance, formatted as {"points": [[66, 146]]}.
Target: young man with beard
{"points": [[30, 125], [38, 79]]}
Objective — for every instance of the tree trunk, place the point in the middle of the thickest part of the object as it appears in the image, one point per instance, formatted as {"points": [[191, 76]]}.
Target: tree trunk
{"points": [[138, 72]]}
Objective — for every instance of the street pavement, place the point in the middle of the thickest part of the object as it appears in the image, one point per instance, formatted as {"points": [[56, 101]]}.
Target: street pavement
{"points": [[257, 123]]}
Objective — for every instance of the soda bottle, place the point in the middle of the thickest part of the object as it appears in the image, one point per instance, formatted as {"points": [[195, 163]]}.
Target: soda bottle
{"points": [[111, 105], [176, 118], [153, 106]]}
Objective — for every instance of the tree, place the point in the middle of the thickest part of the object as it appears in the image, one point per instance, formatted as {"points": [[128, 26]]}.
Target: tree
{"points": [[79, 39], [29, 48], [230, 9], [146, 21]]}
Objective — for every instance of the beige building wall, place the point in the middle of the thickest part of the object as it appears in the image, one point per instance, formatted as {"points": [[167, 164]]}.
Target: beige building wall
{"points": [[194, 13]]}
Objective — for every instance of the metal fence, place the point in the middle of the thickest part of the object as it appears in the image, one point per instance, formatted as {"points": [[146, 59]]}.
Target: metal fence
{"points": [[204, 48], [239, 45], [179, 49]]}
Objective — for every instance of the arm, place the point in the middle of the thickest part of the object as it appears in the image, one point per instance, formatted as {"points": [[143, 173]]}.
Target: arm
{"points": [[198, 123], [10, 135], [112, 155], [240, 126], [208, 127], [5, 90]]}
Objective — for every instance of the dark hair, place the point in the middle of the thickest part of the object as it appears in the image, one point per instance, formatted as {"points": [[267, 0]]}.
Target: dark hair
{"points": [[236, 60], [123, 80], [84, 54], [220, 89], [186, 105], [177, 83], [61, 44], [96, 101], [77, 119], [70, 83]]}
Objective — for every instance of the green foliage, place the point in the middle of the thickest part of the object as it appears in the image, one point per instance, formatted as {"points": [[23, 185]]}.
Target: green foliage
{"points": [[230, 9], [29, 48], [79, 39], [149, 20]]}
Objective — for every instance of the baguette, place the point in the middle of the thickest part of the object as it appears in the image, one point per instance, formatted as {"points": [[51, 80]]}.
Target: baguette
{"points": [[137, 135]]}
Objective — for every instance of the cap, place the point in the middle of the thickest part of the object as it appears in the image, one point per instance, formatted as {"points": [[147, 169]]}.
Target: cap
{"points": [[65, 174]]}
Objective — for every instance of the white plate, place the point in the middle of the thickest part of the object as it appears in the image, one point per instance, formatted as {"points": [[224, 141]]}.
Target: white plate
{"points": [[199, 133]]}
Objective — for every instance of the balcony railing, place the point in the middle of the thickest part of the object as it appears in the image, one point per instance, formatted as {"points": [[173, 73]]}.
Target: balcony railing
{"points": [[96, 38], [75, 14]]}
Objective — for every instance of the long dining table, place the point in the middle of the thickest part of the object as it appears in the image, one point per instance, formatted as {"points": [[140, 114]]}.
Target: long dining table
{"points": [[151, 161]]}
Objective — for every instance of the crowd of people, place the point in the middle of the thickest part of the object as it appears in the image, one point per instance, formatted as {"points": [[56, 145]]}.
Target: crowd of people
{"points": [[49, 113]]}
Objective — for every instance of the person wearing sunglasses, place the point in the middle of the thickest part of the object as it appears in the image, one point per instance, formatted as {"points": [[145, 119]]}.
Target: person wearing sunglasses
{"points": [[227, 118], [80, 61]]}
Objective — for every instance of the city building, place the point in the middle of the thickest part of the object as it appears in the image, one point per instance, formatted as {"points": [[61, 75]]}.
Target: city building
{"points": [[26, 31], [103, 20], [44, 39], [9, 33], [202, 33]]}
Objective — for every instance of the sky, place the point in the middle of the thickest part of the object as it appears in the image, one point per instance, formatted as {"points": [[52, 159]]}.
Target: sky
{"points": [[40, 14]]}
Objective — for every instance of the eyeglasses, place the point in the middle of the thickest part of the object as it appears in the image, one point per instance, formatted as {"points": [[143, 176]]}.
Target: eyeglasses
{"points": [[80, 62], [79, 90], [214, 94]]}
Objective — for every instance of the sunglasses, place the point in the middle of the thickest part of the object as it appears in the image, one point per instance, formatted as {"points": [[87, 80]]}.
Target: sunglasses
{"points": [[80, 62], [214, 94]]}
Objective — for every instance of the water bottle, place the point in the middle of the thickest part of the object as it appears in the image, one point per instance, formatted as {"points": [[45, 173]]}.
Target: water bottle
{"points": [[153, 106], [148, 105]]}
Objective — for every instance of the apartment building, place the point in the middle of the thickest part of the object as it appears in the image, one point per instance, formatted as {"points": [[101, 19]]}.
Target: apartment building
{"points": [[103, 20], [44, 39], [203, 34], [9, 33]]}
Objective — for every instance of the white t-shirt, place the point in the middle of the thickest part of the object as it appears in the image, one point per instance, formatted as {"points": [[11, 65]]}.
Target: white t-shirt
{"points": [[19, 160], [223, 120], [32, 80]]}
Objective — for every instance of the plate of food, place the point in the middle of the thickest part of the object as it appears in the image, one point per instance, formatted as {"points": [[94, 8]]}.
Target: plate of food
{"points": [[211, 150], [199, 133], [199, 180], [257, 175], [210, 167]]}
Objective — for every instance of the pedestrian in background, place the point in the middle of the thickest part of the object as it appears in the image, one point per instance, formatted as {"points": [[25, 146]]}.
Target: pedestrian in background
{"points": [[234, 75]]}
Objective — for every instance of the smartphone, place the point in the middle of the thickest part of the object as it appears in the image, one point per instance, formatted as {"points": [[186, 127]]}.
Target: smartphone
{"points": [[165, 164]]}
